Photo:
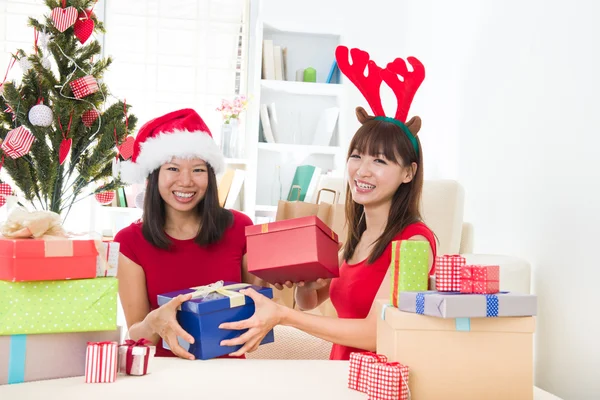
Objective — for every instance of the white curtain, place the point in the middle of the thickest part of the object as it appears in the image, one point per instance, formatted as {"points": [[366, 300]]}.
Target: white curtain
{"points": [[174, 54]]}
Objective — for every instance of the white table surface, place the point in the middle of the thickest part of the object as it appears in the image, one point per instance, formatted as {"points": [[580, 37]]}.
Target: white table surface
{"points": [[173, 378]]}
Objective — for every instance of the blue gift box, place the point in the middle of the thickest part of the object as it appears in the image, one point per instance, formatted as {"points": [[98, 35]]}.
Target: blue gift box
{"points": [[201, 317]]}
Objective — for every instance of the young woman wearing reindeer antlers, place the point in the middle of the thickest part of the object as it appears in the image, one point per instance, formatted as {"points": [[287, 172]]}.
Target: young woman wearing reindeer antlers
{"points": [[385, 179]]}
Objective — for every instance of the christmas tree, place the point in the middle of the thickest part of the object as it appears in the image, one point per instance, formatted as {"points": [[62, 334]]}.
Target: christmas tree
{"points": [[62, 137]]}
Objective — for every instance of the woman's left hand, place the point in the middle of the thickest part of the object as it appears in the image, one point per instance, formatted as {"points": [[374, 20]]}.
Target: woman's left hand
{"points": [[266, 315]]}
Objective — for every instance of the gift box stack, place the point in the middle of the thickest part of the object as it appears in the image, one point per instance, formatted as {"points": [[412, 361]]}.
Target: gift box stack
{"points": [[464, 340], [57, 293]]}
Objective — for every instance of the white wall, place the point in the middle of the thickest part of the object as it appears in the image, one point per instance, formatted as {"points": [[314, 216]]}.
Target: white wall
{"points": [[511, 108]]}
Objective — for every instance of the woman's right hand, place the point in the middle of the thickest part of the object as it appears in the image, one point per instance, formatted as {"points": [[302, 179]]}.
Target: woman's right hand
{"points": [[315, 285], [163, 321]]}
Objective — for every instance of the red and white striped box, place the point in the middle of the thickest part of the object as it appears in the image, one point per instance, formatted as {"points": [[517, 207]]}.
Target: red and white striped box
{"points": [[361, 367], [480, 279], [101, 362], [389, 381], [447, 272], [84, 86], [18, 142]]}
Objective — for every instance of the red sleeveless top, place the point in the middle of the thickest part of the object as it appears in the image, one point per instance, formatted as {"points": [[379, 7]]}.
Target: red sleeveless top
{"points": [[185, 264], [353, 293]]}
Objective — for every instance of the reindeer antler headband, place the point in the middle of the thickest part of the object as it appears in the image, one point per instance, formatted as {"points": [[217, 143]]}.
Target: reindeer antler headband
{"points": [[369, 85]]}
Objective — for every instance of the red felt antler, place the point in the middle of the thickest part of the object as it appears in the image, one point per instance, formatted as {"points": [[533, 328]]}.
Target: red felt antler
{"points": [[404, 90], [368, 85]]}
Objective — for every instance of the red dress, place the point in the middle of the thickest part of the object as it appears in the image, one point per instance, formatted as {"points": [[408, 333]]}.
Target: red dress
{"points": [[185, 264], [353, 293]]}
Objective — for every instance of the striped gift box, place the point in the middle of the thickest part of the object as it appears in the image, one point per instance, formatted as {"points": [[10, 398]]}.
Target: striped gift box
{"points": [[17, 142], [101, 362], [447, 273], [388, 381], [84, 86], [361, 365]]}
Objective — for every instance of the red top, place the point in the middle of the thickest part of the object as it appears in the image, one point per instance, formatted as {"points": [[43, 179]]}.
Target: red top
{"points": [[185, 264], [353, 293]]}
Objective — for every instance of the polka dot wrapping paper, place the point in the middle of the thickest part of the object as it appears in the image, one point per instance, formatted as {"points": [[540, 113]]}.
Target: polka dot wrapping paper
{"points": [[481, 279], [83, 305], [409, 268]]}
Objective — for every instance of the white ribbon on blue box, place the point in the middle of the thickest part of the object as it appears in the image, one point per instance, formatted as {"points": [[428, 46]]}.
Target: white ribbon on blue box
{"points": [[457, 305]]}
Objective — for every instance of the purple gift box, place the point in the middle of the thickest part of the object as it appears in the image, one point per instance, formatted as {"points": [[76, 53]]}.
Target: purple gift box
{"points": [[213, 305]]}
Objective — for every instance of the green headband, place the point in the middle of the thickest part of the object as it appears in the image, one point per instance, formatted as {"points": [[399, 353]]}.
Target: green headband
{"points": [[402, 126]]}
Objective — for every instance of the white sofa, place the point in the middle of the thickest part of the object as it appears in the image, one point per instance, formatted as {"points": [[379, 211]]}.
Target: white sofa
{"points": [[442, 210]]}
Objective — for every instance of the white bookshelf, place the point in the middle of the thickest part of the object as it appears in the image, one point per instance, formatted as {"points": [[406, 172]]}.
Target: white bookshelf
{"points": [[299, 107]]}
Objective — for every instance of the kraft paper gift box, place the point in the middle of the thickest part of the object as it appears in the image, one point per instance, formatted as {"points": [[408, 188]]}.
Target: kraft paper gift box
{"points": [[480, 279], [447, 272], [47, 259], [82, 305], [135, 358], [409, 268], [299, 249], [457, 305], [213, 305], [27, 358], [460, 359]]}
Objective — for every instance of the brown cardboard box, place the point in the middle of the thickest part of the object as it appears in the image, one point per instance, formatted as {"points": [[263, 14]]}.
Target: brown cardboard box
{"points": [[492, 360], [47, 356]]}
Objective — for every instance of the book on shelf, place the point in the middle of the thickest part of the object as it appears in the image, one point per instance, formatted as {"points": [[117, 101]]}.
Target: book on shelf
{"points": [[236, 188], [265, 122], [334, 73], [304, 183], [224, 185], [274, 61]]}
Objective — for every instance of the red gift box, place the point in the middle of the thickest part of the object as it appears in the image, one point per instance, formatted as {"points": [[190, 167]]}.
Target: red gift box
{"points": [[448, 273], [480, 279], [135, 357], [84, 86], [24, 260], [299, 249], [101, 362], [17, 142], [361, 370], [388, 381]]}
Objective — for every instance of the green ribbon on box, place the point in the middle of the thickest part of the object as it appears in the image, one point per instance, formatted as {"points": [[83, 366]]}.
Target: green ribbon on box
{"points": [[79, 305], [409, 268]]}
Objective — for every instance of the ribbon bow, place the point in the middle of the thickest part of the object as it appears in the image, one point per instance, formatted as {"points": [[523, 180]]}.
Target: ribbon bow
{"points": [[236, 299], [22, 223], [129, 357]]}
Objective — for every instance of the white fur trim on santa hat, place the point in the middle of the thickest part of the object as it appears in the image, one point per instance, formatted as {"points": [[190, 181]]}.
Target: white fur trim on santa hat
{"points": [[161, 149]]}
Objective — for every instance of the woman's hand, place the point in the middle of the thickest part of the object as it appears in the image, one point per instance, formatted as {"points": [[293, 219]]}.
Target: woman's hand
{"points": [[316, 285], [288, 284], [163, 321], [266, 315]]}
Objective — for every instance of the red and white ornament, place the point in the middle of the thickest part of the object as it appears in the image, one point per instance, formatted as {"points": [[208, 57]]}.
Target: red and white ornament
{"points": [[64, 18], [41, 115], [84, 26], [126, 148], [63, 150], [17, 142], [84, 86], [105, 197], [89, 117], [5, 190]]}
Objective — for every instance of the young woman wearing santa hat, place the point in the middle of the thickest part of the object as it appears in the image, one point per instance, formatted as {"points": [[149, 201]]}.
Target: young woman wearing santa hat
{"points": [[385, 179], [185, 238]]}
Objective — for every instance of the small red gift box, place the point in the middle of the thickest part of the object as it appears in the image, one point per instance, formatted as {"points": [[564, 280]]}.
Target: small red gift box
{"points": [[101, 362], [388, 381], [84, 86], [361, 369], [25, 260], [135, 357], [447, 273], [17, 142], [480, 279], [299, 249]]}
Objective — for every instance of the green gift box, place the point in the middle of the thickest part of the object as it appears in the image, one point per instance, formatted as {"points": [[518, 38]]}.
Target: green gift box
{"points": [[79, 305], [409, 268]]}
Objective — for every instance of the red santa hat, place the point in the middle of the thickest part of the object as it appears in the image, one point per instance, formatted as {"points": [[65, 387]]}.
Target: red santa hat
{"points": [[179, 134]]}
